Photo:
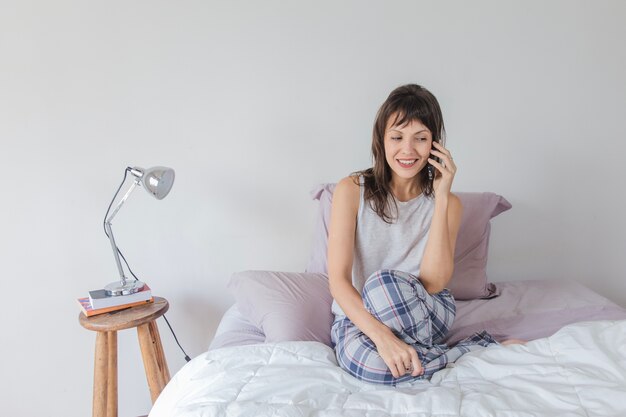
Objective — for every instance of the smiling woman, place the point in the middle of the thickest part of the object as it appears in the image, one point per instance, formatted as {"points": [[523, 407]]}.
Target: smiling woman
{"points": [[391, 249], [409, 117], [408, 149]]}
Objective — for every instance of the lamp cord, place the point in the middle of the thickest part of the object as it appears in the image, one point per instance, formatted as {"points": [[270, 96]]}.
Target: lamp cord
{"points": [[187, 358]]}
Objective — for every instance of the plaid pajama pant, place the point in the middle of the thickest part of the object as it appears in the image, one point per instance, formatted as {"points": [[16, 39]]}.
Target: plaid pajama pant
{"points": [[399, 300]]}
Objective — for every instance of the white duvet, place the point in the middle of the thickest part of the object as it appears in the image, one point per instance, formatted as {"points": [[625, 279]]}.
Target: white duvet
{"points": [[579, 371]]}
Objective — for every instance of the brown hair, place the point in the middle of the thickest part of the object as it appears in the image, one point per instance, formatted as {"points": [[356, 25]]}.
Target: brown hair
{"points": [[408, 103]]}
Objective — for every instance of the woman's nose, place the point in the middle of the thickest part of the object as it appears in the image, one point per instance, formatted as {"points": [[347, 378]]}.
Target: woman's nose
{"points": [[407, 148]]}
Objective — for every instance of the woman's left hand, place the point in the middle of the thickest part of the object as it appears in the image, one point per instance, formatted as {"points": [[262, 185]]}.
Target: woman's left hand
{"points": [[446, 168]]}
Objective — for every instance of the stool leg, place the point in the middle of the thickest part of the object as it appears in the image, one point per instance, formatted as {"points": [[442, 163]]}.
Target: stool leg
{"points": [[112, 375], [150, 363], [164, 370], [100, 375]]}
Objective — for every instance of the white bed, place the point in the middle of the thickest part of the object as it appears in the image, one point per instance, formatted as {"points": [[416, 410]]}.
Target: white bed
{"points": [[578, 371], [573, 365], [575, 369]]}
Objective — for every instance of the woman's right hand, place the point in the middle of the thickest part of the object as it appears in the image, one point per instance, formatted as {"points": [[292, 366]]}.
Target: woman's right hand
{"points": [[400, 357]]}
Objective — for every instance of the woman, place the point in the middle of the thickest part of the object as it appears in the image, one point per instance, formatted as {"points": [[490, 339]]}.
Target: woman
{"points": [[391, 249]]}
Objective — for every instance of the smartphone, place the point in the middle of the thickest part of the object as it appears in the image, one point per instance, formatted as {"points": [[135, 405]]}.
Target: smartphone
{"points": [[431, 168]]}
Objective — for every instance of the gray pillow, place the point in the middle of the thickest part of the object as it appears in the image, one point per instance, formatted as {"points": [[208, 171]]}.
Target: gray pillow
{"points": [[469, 280], [285, 305]]}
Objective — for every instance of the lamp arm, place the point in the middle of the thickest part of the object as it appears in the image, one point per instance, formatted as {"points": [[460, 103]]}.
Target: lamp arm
{"points": [[123, 200], [107, 227], [109, 230]]}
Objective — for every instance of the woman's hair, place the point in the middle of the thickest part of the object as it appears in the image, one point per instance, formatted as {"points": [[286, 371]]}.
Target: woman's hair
{"points": [[407, 103]]}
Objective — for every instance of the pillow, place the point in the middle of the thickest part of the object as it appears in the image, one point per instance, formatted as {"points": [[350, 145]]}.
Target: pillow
{"points": [[285, 305], [317, 262], [469, 280]]}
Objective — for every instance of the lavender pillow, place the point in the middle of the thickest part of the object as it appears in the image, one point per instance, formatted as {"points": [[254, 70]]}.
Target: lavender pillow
{"points": [[469, 280], [285, 305]]}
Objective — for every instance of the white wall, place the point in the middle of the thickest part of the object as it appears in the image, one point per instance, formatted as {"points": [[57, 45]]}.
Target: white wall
{"points": [[253, 103]]}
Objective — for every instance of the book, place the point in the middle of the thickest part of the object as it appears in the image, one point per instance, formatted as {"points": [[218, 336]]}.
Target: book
{"points": [[85, 306], [99, 299]]}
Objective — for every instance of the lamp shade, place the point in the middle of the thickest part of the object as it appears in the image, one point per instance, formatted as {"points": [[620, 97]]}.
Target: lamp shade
{"points": [[158, 181]]}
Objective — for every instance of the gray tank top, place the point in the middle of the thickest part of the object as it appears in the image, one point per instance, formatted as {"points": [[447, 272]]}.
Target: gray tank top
{"points": [[379, 245]]}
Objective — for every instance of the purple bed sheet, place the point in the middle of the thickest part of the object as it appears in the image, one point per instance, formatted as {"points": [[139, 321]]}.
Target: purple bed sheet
{"points": [[531, 310], [525, 310]]}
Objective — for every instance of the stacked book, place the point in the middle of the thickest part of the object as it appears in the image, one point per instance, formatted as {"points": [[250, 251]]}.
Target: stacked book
{"points": [[99, 302]]}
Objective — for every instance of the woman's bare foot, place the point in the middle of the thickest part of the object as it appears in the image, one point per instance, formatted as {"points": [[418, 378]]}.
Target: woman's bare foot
{"points": [[513, 342]]}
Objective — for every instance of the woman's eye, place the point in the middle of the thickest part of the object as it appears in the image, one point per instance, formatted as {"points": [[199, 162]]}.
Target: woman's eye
{"points": [[396, 138], [422, 139]]}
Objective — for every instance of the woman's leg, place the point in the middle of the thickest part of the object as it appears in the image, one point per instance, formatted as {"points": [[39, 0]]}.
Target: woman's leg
{"points": [[399, 300]]}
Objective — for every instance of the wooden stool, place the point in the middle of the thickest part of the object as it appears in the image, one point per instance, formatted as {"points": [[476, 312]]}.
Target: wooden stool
{"points": [[105, 364]]}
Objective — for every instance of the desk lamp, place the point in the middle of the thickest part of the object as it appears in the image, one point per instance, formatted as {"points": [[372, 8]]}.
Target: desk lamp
{"points": [[158, 182]]}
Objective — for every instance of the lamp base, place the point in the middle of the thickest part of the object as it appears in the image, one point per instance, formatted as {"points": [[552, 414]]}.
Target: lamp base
{"points": [[117, 288]]}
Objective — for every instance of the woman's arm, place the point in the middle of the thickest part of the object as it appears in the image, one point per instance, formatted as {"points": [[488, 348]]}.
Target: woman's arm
{"points": [[438, 262], [397, 355], [341, 234]]}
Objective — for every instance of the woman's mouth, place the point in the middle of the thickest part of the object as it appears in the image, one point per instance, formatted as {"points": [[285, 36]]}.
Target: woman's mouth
{"points": [[407, 163]]}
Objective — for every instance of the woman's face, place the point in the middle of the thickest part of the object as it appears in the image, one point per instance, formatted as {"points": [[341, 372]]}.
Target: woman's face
{"points": [[407, 148]]}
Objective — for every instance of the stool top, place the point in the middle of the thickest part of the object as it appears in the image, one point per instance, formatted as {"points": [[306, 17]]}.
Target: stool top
{"points": [[125, 319]]}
